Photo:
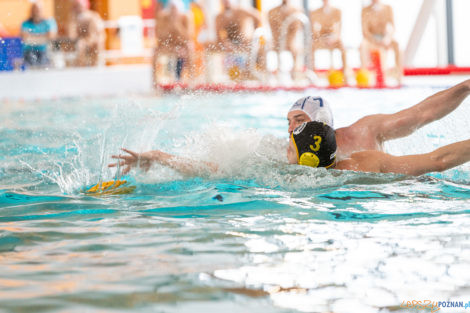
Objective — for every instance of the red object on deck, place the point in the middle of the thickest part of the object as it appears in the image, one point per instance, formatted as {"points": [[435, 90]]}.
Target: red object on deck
{"points": [[448, 70], [377, 64]]}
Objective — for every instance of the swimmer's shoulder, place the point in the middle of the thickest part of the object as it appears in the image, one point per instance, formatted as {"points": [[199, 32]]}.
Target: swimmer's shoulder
{"points": [[363, 161]]}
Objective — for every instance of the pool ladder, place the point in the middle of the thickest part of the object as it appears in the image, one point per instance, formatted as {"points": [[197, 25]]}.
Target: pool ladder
{"points": [[303, 18]]}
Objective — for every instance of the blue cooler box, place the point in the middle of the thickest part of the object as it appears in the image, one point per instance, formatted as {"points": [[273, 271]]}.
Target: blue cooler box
{"points": [[10, 50]]}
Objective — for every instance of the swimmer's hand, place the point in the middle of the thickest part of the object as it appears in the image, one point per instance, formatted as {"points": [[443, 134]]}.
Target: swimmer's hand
{"points": [[144, 160], [133, 159]]}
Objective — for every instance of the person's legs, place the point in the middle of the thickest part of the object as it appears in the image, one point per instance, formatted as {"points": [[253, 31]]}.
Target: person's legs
{"points": [[343, 56], [312, 59], [398, 61], [29, 58], [179, 67], [154, 67], [92, 55], [35, 58], [364, 50], [42, 58]]}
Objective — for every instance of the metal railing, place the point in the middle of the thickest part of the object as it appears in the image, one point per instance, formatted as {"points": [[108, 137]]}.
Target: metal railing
{"points": [[307, 35]]}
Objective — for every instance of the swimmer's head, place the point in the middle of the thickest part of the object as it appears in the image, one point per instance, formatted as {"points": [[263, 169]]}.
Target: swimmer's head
{"points": [[312, 144], [309, 109]]}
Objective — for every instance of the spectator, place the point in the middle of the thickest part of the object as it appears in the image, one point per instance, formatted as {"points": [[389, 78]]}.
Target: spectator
{"points": [[326, 30], [174, 38], [277, 16], [36, 33], [88, 33], [235, 27], [378, 28]]}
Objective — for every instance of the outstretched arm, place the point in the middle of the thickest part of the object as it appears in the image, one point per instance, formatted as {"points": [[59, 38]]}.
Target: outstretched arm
{"points": [[146, 159], [405, 122], [438, 160]]}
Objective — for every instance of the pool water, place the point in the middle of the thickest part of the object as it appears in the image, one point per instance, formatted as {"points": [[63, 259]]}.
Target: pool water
{"points": [[261, 236]]}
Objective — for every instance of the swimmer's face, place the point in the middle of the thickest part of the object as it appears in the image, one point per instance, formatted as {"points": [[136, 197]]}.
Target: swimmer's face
{"points": [[295, 119], [291, 154]]}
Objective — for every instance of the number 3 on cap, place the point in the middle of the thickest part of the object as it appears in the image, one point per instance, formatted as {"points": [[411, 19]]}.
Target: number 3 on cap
{"points": [[317, 143]]}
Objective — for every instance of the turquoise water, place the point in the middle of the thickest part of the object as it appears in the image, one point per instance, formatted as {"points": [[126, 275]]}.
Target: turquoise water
{"points": [[260, 237]]}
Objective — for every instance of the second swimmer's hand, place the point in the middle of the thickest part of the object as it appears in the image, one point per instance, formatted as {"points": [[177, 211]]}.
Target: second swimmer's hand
{"points": [[133, 159]]}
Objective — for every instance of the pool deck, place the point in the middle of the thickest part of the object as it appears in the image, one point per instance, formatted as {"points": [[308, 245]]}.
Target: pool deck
{"points": [[75, 82], [117, 80]]}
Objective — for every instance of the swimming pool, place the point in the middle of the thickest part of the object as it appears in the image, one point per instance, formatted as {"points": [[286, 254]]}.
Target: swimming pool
{"points": [[262, 237]]}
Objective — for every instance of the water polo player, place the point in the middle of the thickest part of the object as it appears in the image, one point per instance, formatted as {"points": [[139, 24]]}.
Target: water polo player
{"points": [[314, 144], [370, 132]]}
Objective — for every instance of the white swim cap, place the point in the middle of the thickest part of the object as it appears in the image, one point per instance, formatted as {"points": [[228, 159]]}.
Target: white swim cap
{"points": [[316, 108]]}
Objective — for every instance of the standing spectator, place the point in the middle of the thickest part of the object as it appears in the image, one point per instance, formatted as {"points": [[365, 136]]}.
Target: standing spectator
{"points": [[88, 32], [36, 33], [378, 28]]}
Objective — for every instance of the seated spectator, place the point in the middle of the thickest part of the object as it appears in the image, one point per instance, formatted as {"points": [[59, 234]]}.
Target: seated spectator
{"points": [[326, 30], [199, 27], [88, 34], [277, 16], [377, 29], [36, 33], [174, 38], [235, 28]]}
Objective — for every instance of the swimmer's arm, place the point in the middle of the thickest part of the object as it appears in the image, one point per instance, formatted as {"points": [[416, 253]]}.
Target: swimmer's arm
{"points": [[438, 160], [405, 122], [144, 160]]}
